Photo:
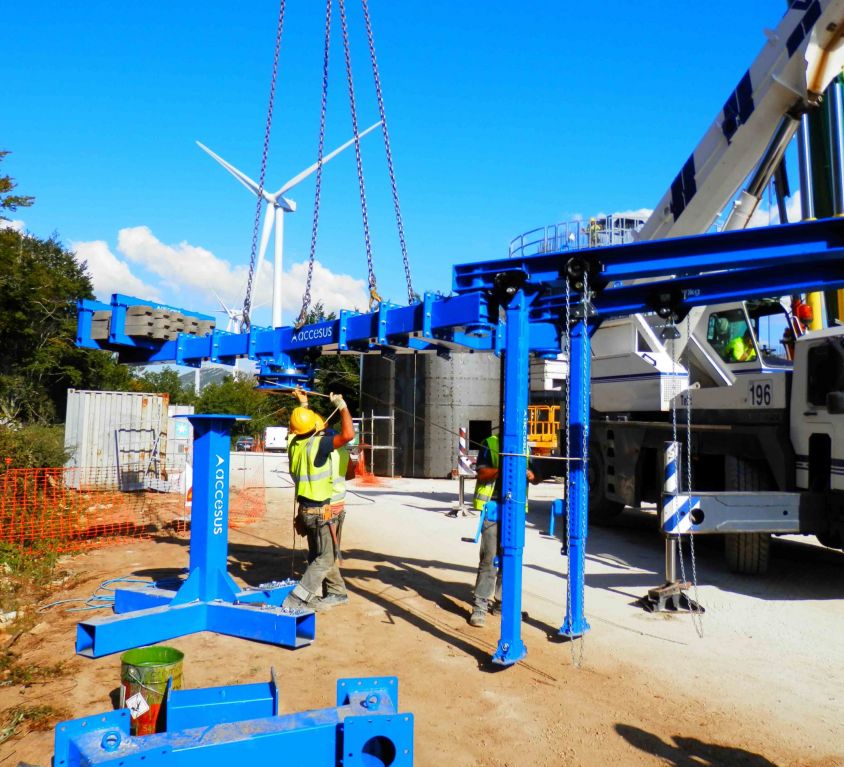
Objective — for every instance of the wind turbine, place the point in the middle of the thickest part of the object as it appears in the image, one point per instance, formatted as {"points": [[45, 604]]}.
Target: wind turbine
{"points": [[235, 316], [277, 206]]}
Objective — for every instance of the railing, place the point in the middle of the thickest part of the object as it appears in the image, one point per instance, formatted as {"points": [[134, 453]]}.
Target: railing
{"points": [[577, 235]]}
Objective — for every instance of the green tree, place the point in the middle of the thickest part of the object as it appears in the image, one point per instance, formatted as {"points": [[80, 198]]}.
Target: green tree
{"points": [[40, 283], [9, 201], [237, 395], [164, 381]]}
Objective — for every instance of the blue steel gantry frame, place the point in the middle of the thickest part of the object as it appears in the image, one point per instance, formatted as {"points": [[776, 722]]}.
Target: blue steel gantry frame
{"points": [[209, 599], [237, 723], [517, 306]]}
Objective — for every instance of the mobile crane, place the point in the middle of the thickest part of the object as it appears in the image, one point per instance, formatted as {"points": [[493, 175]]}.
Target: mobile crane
{"points": [[772, 417]]}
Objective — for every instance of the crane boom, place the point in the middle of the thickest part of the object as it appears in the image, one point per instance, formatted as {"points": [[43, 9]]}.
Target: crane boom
{"points": [[799, 60]]}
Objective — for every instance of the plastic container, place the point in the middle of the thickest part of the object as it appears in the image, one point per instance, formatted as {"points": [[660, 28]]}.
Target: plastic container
{"points": [[144, 674]]}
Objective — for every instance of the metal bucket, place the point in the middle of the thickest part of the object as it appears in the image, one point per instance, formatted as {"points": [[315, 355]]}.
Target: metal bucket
{"points": [[144, 674]]}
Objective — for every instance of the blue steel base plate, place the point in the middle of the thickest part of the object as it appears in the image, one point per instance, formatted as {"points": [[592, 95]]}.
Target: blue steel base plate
{"points": [[153, 617]]}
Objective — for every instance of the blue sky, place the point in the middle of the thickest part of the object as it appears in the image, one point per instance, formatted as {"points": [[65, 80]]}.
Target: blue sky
{"points": [[503, 117]]}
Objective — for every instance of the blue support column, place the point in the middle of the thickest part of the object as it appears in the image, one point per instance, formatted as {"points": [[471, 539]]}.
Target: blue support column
{"points": [[577, 501], [513, 499], [209, 529], [209, 599]]}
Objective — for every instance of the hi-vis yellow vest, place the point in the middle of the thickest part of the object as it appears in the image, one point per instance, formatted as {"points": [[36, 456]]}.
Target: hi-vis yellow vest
{"points": [[312, 482], [484, 490], [339, 463]]}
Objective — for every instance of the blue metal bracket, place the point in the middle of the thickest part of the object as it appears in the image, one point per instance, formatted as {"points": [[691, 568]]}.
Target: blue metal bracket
{"points": [[209, 599], [241, 723]]}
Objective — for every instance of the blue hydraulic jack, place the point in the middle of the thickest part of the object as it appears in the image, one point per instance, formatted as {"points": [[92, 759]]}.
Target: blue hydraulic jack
{"points": [[209, 599], [230, 725]]}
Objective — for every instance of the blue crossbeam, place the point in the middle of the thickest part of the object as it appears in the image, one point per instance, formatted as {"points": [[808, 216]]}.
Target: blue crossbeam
{"points": [[777, 246]]}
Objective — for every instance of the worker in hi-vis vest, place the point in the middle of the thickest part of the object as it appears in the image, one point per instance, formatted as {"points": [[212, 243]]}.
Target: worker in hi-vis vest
{"points": [[487, 487], [316, 460], [741, 349]]}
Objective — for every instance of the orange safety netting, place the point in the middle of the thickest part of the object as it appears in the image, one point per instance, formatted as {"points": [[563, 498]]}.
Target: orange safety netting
{"points": [[71, 509]]}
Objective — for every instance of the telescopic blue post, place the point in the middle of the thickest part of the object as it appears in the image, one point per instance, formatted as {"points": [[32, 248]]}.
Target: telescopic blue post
{"points": [[513, 499], [577, 497]]}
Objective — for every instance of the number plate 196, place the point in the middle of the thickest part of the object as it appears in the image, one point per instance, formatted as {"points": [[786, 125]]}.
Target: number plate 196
{"points": [[759, 393]]}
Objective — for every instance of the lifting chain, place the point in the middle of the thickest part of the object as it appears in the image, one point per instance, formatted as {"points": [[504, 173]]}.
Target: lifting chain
{"points": [[399, 222], [247, 303], [306, 298], [374, 298], [696, 613]]}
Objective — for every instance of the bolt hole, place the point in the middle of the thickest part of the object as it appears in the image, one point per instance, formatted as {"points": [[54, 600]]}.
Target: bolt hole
{"points": [[382, 748]]}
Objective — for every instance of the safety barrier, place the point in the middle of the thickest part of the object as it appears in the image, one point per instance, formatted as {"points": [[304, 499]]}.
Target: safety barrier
{"points": [[73, 509]]}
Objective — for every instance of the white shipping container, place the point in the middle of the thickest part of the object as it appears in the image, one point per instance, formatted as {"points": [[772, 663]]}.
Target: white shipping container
{"points": [[116, 439]]}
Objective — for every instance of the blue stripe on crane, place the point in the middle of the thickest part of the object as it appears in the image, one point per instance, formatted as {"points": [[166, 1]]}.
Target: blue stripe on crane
{"points": [[738, 108], [683, 188], [813, 13]]}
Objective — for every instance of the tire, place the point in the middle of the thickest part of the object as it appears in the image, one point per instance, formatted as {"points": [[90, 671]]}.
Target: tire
{"points": [[746, 553], [602, 511]]}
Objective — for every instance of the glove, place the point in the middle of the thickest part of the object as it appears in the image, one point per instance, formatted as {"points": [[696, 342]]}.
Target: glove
{"points": [[301, 396], [338, 401]]}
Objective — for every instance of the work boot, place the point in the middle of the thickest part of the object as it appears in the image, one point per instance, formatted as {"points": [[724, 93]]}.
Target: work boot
{"points": [[477, 618], [331, 600], [293, 603]]}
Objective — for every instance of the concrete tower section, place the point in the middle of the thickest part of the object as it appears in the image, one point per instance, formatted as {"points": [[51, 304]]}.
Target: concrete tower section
{"points": [[431, 398]]}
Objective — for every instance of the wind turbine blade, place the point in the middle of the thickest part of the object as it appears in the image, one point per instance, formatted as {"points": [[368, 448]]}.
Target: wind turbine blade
{"points": [[308, 171], [239, 175], [222, 303], [269, 218]]}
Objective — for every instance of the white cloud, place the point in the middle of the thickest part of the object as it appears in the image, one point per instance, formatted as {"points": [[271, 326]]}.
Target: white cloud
{"points": [[180, 266], [188, 267], [763, 215], [188, 275], [644, 213], [109, 274], [14, 223], [336, 291]]}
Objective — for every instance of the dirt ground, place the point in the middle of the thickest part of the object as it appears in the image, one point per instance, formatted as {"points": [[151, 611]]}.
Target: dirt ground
{"points": [[762, 687]]}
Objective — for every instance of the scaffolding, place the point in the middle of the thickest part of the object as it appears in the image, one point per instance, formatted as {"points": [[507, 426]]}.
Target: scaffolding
{"points": [[368, 429]]}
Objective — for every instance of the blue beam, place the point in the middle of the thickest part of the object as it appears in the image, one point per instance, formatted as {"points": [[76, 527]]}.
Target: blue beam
{"points": [[789, 244], [512, 500]]}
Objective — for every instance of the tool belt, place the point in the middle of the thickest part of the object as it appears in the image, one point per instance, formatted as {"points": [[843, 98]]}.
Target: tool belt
{"points": [[327, 512]]}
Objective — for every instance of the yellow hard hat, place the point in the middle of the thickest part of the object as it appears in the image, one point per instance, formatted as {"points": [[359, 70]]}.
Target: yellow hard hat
{"points": [[303, 420]]}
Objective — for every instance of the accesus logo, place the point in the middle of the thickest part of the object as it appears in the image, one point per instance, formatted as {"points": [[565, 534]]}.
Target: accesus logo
{"points": [[219, 495], [312, 334]]}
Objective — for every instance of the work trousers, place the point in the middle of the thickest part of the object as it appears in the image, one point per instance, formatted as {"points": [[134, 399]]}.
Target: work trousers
{"points": [[488, 582], [323, 574]]}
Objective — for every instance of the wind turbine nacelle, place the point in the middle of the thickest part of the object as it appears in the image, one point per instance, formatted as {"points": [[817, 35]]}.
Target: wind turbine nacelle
{"points": [[287, 205]]}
